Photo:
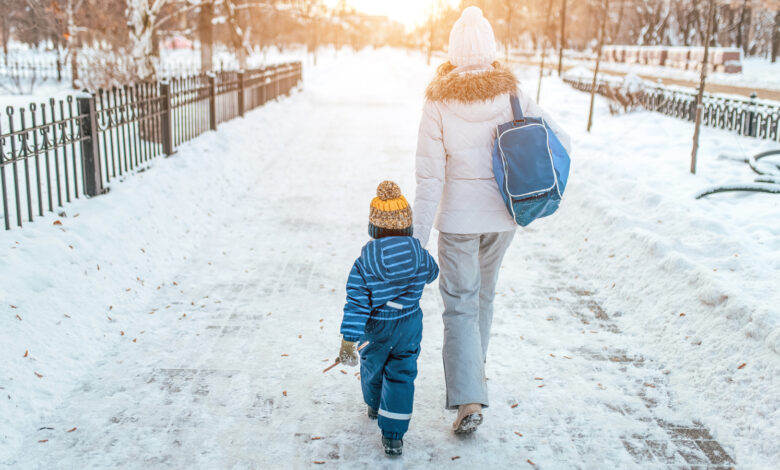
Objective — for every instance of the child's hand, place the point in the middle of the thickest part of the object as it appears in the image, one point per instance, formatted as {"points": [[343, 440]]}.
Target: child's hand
{"points": [[348, 354]]}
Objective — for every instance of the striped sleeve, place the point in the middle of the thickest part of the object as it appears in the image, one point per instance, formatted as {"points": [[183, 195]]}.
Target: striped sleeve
{"points": [[358, 306]]}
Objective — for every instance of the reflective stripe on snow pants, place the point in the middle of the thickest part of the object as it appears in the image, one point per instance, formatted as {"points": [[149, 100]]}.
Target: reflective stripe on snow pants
{"points": [[388, 367]]}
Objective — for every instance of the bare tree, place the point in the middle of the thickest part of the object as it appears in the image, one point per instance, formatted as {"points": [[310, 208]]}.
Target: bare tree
{"points": [[142, 20], [775, 30], [602, 33], [543, 44], [702, 83], [206, 35], [562, 41]]}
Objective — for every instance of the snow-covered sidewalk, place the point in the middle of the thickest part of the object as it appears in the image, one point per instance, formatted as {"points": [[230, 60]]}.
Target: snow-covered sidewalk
{"points": [[184, 319]]}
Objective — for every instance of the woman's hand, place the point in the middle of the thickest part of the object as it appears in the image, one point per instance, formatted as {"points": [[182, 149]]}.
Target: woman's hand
{"points": [[348, 354]]}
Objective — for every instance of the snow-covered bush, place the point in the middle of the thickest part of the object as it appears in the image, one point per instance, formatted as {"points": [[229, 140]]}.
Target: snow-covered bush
{"points": [[625, 95]]}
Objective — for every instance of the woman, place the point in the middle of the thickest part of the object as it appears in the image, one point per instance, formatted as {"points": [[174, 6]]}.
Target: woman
{"points": [[457, 192]]}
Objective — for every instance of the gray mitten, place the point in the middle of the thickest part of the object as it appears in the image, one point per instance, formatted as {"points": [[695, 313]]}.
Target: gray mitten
{"points": [[348, 354]]}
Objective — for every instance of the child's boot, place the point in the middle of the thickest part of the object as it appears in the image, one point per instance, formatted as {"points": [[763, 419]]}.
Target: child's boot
{"points": [[393, 447]]}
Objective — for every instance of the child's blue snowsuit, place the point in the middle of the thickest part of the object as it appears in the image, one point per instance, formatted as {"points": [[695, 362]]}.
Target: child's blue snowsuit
{"points": [[383, 307]]}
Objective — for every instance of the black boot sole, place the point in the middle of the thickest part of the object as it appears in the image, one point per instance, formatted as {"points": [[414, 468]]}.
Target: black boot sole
{"points": [[392, 451]]}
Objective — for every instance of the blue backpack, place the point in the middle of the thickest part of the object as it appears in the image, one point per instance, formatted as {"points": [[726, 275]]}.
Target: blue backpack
{"points": [[530, 165]]}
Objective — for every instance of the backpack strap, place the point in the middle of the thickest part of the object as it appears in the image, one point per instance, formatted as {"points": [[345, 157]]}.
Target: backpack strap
{"points": [[517, 111]]}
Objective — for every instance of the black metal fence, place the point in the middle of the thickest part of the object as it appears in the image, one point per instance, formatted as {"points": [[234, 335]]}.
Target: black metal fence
{"points": [[52, 153], [747, 117]]}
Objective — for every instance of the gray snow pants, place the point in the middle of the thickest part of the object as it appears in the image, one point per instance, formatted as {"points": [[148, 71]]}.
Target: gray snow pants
{"points": [[469, 267]]}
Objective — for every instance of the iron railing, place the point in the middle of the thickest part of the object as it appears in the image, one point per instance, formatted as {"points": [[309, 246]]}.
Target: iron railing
{"points": [[747, 117], [52, 153]]}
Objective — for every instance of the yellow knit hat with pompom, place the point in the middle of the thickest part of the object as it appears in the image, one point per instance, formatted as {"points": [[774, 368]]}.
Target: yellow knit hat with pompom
{"points": [[390, 213]]}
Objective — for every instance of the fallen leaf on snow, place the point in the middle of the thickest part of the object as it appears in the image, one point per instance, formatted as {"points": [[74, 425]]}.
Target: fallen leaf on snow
{"points": [[13, 306], [343, 371], [649, 385], [541, 386], [285, 355], [455, 457], [682, 314], [72, 429], [319, 462], [566, 357], [538, 378], [514, 405], [57, 222], [135, 340], [531, 462], [43, 440], [284, 392], [121, 333], [742, 366], [518, 434], [18, 317], [38, 375], [26, 353], [316, 438]]}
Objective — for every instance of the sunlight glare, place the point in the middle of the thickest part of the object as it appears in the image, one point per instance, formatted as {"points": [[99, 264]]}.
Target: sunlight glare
{"points": [[409, 12]]}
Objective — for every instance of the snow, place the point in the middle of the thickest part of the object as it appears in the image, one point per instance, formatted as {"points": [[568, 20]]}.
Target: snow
{"points": [[757, 72], [184, 318]]}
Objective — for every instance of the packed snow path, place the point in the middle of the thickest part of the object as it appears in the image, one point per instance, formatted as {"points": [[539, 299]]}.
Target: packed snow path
{"points": [[216, 362]]}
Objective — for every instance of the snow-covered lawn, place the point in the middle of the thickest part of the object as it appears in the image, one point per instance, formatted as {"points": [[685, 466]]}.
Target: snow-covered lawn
{"points": [[184, 319]]}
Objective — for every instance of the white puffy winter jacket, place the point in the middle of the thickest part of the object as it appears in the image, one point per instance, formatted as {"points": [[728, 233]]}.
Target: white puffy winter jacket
{"points": [[456, 189]]}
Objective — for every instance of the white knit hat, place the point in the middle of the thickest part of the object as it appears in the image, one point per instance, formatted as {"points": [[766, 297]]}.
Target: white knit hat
{"points": [[471, 40]]}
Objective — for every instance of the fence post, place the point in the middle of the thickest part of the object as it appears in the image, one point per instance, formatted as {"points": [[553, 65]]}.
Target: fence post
{"points": [[90, 150], [165, 118], [59, 70], [241, 102], [212, 102], [752, 130]]}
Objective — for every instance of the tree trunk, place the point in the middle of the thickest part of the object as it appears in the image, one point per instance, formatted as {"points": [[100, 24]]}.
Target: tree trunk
{"points": [[563, 38], [430, 39], [602, 33], [776, 38], [543, 42], [508, 41], [206, 34], [6, 33], [702, 83], [74, 68], [616, 31]]}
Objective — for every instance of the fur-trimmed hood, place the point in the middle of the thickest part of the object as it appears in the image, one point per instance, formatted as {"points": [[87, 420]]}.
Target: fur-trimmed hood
{"points": [[471, 87]]}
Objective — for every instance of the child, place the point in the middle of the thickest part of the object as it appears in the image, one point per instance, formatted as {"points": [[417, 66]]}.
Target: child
{"points": [[383, 295]]}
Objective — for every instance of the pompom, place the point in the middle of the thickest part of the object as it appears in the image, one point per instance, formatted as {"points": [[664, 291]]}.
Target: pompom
{"points": [[388, 190], [471, 14]]}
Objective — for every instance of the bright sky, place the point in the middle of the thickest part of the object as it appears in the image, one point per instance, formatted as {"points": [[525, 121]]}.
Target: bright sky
{"points": [[408, 12]]}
